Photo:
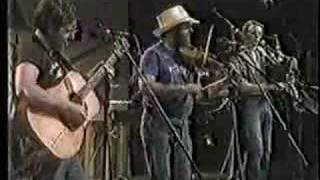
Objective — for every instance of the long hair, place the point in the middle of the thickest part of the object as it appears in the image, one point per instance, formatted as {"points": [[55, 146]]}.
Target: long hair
{"points": [[52, 14]]}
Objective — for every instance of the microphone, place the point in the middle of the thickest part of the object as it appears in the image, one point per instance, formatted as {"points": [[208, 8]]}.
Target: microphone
{"points": [[278, 47], [116, 32], [106, 32], [109, 31]]}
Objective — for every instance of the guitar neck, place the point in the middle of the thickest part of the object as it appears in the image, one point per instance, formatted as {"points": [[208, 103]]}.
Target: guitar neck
{"points": [[97, 76], [105, 68]]}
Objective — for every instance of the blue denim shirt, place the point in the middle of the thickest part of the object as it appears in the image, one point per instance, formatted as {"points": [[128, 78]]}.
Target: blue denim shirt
{"points": [[168, 67]]}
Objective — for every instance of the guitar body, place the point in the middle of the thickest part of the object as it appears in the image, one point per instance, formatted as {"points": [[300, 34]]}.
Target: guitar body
{"points": [[59, 139]]}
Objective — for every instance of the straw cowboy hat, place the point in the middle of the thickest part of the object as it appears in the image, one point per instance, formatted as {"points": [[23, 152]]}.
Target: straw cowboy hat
{"points": [[172, 17]]}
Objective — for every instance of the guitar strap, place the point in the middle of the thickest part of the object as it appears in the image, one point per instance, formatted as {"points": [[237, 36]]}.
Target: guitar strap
{"points": [[68, 85], [61, 60], [53, 54]]}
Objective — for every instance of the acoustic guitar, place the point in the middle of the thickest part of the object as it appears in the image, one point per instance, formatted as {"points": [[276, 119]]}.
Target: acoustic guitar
{"points": [[55, 135]]}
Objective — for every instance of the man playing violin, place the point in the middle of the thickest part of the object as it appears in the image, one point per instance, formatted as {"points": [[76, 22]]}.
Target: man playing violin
{"points": [[172, 79], [35, 72]]}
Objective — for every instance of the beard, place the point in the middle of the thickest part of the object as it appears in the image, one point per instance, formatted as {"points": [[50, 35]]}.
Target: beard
{"points": [[183, 40]]}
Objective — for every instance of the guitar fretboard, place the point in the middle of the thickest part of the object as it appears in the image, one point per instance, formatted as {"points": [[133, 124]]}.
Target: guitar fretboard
{"points": [[97, 76]]}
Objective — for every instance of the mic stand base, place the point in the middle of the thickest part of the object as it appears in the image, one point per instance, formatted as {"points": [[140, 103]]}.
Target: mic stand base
{"points": [[233, 163]]}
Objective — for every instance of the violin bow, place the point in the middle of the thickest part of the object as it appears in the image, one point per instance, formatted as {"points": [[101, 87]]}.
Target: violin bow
{"points": [[206, 52], [216, 83]]}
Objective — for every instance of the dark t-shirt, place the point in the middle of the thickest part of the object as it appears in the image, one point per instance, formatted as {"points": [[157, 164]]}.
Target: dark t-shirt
{"points": [[168, 68], [51, 72], [28, 153]]}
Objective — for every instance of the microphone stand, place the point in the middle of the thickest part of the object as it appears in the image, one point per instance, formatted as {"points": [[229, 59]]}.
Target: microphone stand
{"points": [[234, 148], [291, 139], [234, 145], [163, 113], [277, 114], [233, 151]]}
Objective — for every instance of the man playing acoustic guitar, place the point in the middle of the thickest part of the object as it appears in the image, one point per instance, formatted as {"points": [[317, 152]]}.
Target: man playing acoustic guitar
{"points": [[33, 74]]}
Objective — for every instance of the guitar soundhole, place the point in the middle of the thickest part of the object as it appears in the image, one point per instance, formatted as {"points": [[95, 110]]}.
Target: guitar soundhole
{"points": [[72, 95], [75, 98]]}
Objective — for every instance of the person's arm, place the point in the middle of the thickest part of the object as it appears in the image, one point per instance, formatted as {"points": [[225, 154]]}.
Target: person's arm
{"points": [[165, 89], [245, 87], [38, 99]]}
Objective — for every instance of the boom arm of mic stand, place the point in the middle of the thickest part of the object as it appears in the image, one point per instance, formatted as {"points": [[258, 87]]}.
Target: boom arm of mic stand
{"points": [[136, 40], [233, 28], [163, 114]]}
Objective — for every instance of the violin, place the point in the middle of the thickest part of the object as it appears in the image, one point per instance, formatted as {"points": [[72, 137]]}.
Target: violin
{"points": [[207, 66], [197, 57]]}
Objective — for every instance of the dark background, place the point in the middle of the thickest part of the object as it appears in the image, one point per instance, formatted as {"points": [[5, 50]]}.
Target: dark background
{"points": [[298, 17], [288, 16]]}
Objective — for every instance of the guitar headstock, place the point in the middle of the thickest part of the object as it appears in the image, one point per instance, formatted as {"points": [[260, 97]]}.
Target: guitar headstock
{"points": [[121, 45]]}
